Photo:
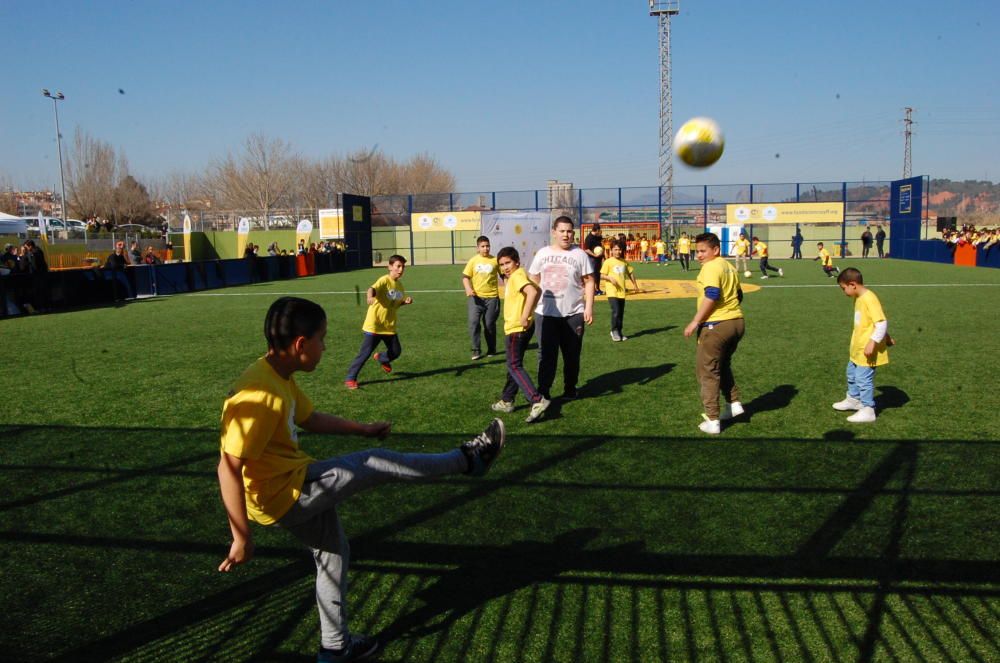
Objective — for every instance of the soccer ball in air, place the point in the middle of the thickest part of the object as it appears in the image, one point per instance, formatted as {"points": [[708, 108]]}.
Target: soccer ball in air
{"points": [[597, 251], [699, 142], [747, 273]]}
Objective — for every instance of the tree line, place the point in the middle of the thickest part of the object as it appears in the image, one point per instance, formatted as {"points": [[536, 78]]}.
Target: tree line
{"points": [[264, 174]]}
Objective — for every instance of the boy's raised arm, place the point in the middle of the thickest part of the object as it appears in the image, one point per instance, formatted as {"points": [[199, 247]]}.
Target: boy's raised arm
{"points": [[231, 485]]}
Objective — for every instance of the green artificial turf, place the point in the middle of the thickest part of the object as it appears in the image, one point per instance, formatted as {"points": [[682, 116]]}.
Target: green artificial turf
{"points": [[610, 530]]}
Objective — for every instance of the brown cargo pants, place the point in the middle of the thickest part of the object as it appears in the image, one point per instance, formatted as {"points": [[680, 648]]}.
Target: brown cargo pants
{"points": [[717, 342]]}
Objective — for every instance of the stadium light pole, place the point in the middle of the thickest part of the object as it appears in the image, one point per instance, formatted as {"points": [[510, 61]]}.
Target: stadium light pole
{"points": [[56, 98]]}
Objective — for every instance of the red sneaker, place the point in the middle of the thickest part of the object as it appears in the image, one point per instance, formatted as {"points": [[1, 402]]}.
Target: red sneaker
{"points": [[385, 366], [351, 384]]}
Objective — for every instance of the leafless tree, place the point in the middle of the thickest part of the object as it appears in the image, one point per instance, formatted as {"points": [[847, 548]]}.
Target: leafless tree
{"points": [[8, 197], [259, 178], [92, 173]]}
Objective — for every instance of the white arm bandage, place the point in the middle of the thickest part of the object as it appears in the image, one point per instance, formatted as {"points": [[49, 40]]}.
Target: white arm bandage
{"points": [[881, 327]]}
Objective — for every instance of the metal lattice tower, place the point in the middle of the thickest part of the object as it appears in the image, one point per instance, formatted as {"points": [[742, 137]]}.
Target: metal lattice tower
{"points": [[663, 10], [907, 133]]}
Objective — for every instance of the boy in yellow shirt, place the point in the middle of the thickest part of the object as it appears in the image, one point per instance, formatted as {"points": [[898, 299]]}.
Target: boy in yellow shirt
{"points": [[520, 297], [480, 280], [615, 272], [826, 260], [661, 250], [870, 341], [385, 296], [760, 248], [684, 252], [718, 323], [264, 475], [741, 250]]}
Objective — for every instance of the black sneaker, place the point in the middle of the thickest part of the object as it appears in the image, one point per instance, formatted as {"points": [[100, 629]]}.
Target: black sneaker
{"points": [[360, 648], [482, 450], [570, 395]]}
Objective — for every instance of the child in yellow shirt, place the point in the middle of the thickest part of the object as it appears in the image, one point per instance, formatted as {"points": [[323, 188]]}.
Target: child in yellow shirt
{"points": [[870, 341], [826, 260], [385, 296], [264, 475], [615, 272]]}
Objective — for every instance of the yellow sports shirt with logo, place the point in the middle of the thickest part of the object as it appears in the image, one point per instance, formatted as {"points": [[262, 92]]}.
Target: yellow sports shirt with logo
{"points": [[389, 296], [824, 257], [483, 272], [761, 249], [718, 273], [683, 245], [259, 421], [513, 302], [742, 247], [867, 311], [619, 271]]}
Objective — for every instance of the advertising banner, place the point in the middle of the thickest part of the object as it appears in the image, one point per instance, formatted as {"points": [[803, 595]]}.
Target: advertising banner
{"points": [[525, 231], [242, 234], [905, 199], [302, 232], [331, 223], [747, 213], [439, 221], [187, 237]]}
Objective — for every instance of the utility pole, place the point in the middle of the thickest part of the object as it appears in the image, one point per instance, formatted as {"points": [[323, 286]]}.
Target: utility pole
{"points": [[663, 10], [907, 133]]}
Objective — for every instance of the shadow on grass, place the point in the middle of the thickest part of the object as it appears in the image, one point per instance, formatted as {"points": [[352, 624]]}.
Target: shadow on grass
{"points": [[591, 587], [615, 381], [891, 397], [650, 332]]}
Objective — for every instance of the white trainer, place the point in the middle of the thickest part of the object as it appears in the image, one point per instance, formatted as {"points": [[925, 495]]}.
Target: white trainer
{"points": [[865, 415], [730, 410], [710, 426], [763, 276], [781, 272], [849, 403], [537, 409], [503, 406], [615, 337]]}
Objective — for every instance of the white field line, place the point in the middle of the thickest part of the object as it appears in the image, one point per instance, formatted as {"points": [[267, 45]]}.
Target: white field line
{"points": [[763, 286]]}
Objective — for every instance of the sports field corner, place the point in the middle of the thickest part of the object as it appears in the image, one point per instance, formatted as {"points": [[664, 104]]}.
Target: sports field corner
{"points": [[612, 529]]}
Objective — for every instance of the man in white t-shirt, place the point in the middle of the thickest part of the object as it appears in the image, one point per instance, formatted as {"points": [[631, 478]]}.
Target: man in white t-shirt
{"points": [[564, 272]]}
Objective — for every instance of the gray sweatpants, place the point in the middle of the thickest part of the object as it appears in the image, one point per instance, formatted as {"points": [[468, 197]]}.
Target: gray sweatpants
{"points": [[313, 518], [484, 311]]}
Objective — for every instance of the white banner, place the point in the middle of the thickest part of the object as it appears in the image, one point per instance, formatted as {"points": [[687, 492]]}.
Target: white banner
{"points": [[525, 231]]}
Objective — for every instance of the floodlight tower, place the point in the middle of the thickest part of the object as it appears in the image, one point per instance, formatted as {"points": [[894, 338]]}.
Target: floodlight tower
{"points": [[907, 133], [663, 10]]}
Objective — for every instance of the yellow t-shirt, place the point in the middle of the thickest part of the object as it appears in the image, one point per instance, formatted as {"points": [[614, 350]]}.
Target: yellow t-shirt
{"points": [[258, 425], [683, 245], [483, 272], [389, 296], [513, 301], [742, 246], [824, 258], [661, 247], [867, 311], [619, 271], [644, 245], [719, 273], [761, 249]]}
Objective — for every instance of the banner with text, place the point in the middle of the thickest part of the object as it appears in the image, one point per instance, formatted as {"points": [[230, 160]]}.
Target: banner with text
{"points": [[436, 221], [331, 223], [525, 231], [747, 213]]}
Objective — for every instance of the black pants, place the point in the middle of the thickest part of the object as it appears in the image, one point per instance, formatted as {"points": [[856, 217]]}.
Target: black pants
{"points": [[617, 313], [764, 266], [685, 259], [559, 335]]}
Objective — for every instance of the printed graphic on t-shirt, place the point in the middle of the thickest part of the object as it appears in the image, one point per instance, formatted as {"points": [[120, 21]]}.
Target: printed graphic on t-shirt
{"points": [[556, 278], [484, 268]]}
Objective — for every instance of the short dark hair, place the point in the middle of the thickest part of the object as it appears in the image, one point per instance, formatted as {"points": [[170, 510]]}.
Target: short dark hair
{"points": [[29, 242], [708, 238], [395, 257], [819, 243], [596, 226], [509, 252], [291, 317], [481, 239], [851, 274], [563, 219], [755, 238]]}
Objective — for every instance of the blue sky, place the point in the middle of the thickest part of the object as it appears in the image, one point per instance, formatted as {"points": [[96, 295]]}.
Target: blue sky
{"points": [[509, 94]]}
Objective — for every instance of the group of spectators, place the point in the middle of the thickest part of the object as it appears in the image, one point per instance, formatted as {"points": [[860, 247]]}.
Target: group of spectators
{"points": [[969, 234], [868, 238], [25, 271], [253, 250], [119, 258]]}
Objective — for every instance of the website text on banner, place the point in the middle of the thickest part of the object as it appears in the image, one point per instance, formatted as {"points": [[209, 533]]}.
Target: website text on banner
{"points": [[748, 213], [444, 221]]}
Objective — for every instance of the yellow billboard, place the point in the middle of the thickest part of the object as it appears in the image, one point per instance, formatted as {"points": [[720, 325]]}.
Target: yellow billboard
{"points": [[746, 213], [432, 221], [331, 223]]}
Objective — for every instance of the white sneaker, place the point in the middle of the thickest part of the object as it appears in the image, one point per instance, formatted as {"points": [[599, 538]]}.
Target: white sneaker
{"points": [[865, 415], [730, 410], [503, 406], [710, 426], [615, 336], [623, 338], [763, 276], [781, 272], [537, 410], [849, 403]]}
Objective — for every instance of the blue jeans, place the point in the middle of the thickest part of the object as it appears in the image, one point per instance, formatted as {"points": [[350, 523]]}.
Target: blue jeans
{"points": [[861, 383]]}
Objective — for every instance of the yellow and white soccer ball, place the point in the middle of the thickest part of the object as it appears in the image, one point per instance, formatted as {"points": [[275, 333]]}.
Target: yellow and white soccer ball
{"points": [[746, 274], [699, 142], [598, 250]]}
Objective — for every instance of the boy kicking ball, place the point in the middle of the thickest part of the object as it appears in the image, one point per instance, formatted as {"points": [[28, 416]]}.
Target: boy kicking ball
{"points": [[870, 341], [519, 302], [265, 476], [824, 256]]}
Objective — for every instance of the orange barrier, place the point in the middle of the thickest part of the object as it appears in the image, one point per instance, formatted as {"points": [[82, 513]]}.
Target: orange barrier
{"points": [[965, 255], [301, 265]]}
